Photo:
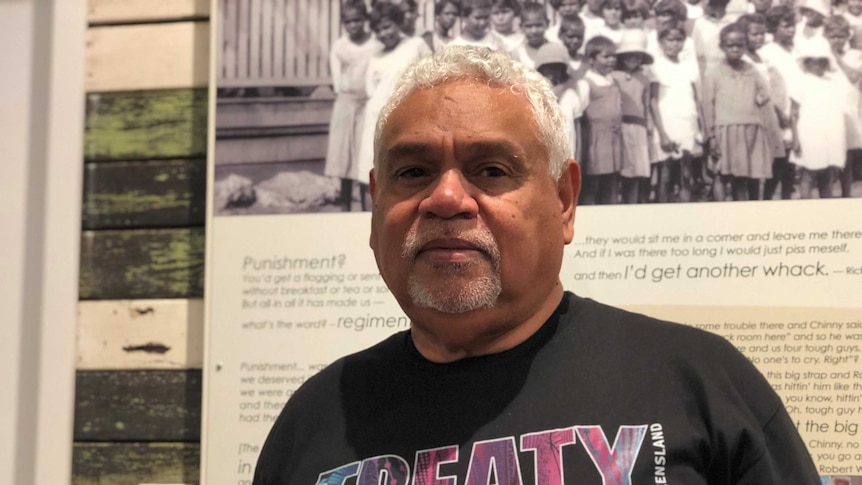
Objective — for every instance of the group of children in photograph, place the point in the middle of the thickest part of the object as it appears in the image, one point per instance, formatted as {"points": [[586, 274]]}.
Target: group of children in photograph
{"points": [[702, 100]]}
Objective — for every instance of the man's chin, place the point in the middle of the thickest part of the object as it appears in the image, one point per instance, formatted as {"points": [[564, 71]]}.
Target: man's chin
{"points": [[455, 296]]}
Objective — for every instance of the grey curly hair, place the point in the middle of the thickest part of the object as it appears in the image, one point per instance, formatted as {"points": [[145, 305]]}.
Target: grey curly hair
{"points": [[495, 68]]}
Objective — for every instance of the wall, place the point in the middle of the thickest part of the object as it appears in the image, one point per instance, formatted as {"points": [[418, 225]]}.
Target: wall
{"points": [[41, 120]]}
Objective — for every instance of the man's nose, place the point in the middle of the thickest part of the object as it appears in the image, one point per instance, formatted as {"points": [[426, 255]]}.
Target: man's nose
{"points": [[450, 197]]}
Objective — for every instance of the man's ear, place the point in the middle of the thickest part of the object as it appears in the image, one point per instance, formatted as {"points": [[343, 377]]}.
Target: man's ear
{"points": [[569, 188], [372, 184]]}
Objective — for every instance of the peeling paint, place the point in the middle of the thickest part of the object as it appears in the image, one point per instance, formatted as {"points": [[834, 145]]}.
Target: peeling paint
{"points": [[150, 348], [144, 311]]}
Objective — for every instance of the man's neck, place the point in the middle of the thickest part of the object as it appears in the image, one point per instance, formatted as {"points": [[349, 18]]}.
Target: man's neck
{"points": [[453, 337]]}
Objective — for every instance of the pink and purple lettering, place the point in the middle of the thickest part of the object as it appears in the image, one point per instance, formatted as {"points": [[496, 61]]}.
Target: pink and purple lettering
{"points": [[615, 465], [548, 457], [384, 470], [494, 458], [338, 475], [426, 469]]}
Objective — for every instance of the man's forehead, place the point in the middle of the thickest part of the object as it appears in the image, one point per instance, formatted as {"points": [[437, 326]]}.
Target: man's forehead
{"points": [[449, 102], [471, 115], [456, 89]]}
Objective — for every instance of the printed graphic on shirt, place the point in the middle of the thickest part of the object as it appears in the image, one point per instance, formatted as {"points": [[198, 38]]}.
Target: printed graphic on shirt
{"points": [[497, 461]]}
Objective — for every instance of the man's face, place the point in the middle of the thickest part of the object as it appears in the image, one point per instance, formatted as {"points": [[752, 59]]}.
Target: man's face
{"points": [[448, 16], [854, 7], [468, 227], [534, 27], [595, 6], [476, 24]]}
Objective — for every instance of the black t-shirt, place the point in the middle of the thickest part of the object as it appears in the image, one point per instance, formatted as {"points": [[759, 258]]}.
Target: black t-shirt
{"points": [[598, 396]]}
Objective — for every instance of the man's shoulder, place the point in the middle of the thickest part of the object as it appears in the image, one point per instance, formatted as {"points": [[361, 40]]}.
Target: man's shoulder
{"points": [[629, 331]]}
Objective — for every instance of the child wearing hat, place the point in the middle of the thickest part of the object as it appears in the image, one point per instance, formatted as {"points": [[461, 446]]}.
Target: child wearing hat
{"points": [[634, 86], [810, 27], [552, 61], [820, 141]]}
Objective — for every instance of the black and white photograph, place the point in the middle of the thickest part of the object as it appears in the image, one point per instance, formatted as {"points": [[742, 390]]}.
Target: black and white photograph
{"points": [[665, 101]]}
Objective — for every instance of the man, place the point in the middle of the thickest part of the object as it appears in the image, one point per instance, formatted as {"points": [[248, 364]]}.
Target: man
{"points": [[503, 377]]}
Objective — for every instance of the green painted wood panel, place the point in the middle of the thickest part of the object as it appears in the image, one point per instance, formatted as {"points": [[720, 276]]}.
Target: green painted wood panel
{"points": [[152, 193], [142, 263], [135, 463], [138, 405], [139, 125]]}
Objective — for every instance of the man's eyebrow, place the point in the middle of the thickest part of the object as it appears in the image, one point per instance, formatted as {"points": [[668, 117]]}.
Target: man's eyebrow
{"points": [[501, 147], [406, 150], [421, 150]]}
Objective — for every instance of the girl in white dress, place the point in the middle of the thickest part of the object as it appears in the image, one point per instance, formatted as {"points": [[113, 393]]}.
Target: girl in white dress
{"points": [[820, 142], [348, 62], [674, 108]]}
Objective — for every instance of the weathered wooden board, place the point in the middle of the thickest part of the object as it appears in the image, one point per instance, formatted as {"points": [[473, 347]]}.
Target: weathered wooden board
{"points": [[139, 11], [155, 193], [138, 405], [135, 463], [150, 56], [146, 263], [141, 125], [140, 334]]}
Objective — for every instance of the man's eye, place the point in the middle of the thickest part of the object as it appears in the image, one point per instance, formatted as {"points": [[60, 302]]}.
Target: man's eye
{"points": [[493, 171], [412, 172]]}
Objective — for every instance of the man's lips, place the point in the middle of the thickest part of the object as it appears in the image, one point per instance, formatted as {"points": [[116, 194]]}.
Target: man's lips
{"points": [[450, 250]]}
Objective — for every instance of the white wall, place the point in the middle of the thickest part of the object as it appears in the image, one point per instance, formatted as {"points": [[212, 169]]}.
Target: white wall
{"points": [[41, 151]]}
